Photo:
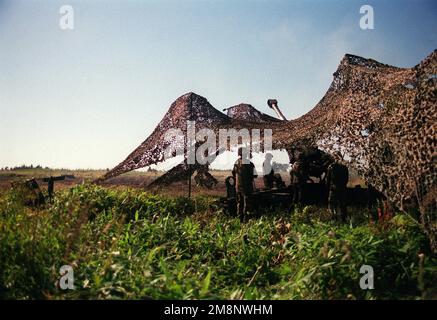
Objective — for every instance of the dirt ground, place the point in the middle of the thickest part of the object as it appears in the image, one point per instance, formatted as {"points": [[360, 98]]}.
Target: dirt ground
{"points": [[134, 179]]}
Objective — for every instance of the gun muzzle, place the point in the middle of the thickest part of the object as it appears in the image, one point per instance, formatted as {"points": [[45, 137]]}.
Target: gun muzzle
{"points": [[273, 103]]}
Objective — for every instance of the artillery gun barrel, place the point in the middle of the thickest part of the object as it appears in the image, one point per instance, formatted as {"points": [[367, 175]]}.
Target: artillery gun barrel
{"points": [[273, 103]]}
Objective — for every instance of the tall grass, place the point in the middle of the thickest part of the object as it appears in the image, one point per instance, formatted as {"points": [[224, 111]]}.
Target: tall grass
{"points": [[133, 245]]}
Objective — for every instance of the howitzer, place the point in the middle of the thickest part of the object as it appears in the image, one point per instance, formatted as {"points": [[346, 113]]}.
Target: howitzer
{"points": [[273, 104], [30, 191], [313, 194]]}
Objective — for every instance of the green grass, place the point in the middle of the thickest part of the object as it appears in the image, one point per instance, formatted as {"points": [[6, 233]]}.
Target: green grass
{"points": [[133, 245]]}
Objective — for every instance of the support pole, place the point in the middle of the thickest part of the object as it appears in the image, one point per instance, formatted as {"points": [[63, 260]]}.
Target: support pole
{"points": [[189, 181]]}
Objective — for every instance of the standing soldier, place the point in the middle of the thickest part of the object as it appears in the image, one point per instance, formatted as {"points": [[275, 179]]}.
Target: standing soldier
{"points": [[268, 173], [336, 180], [299, 177], [244, 175], [32, 194]]}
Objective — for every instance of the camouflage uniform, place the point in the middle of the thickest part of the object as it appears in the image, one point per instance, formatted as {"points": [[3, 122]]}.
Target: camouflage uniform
{"points": [[30, 192], [268, 172], [231, 195], [299, 177], [337, 178], [244, 175]]}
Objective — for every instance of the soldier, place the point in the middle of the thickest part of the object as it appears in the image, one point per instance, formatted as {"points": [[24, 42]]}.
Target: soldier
{"points": [[299, 177], [231, 195], [204, 178], [336, 180], [244, 175], [268, 173], [32, 194]]}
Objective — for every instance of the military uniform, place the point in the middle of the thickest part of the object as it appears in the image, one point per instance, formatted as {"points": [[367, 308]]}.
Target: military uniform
{"points": [[299, 177], [337, 178], [244, 175], [30, 191], [268, 174]]}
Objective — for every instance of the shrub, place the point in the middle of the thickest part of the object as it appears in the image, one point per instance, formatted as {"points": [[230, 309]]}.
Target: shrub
{"points": [[131, 244]]}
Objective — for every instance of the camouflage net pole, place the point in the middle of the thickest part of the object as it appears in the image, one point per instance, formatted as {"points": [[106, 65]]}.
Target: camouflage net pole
{"points": [[381, 118]]}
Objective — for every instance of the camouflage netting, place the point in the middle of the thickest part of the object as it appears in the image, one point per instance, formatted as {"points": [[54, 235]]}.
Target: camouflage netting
{"points": [[244, 111], [381, 118]]}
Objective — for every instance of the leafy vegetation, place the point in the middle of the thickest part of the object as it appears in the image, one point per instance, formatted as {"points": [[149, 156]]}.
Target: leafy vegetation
{"points": [[133, 245]]}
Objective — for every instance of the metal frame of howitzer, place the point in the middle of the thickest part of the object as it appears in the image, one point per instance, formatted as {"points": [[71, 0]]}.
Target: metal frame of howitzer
{"points": [[51, 183], [313, 194], [34, 196]]}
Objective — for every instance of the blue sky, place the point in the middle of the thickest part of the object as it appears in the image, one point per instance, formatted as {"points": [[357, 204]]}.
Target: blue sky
{"points": [[85, 98]]}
